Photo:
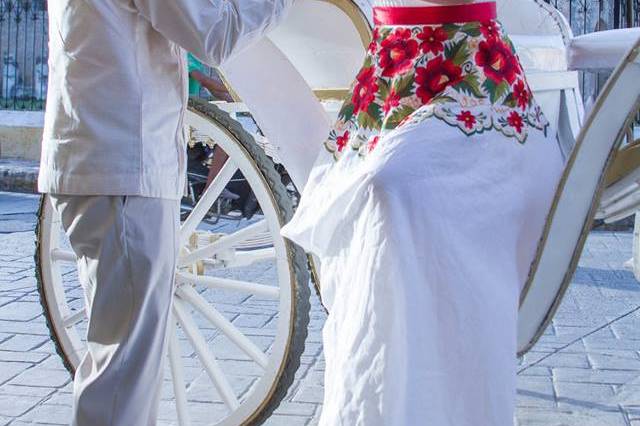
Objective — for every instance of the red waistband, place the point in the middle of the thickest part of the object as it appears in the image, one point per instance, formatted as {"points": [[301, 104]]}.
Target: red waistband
{"points": [[432, 15]]}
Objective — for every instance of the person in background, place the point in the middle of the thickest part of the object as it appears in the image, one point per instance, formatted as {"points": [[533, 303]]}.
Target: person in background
{"points": [[114, 163], [198, 79]]}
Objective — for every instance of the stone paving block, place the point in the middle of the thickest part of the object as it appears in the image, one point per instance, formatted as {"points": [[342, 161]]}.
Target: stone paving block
{"points": [[566, 359], [23, 342], [586, 375], [49, 414], [280, 420], [614, 360], [298, 409], [53, 363], [536, 392], [17, 405], [247, 320], [20, 311], [42, 377], [42, 392], [11, 369], [576, 396], [596, 343], [536, 371], [311, 394], [536, 417]]}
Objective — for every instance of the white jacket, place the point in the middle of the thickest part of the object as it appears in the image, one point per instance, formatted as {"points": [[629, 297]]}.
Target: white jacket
{"points": [[118, 88]]}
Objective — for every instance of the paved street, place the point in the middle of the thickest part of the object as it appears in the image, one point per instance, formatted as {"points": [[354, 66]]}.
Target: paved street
{"points": [[584, 372]]}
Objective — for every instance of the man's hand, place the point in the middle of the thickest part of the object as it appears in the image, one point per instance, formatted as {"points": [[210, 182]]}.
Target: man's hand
{"points": [[217, 89]]}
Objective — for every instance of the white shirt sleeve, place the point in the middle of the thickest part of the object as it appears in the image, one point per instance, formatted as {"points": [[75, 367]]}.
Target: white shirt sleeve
{"points": [[213, 30]]}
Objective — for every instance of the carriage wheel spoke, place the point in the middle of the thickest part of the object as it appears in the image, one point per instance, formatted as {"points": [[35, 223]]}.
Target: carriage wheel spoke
{"points": [[206, 201], [189, 294], [206, 357], [74, 318], [177, 375], [248, 257], [59, 255], [260, 290], [224, 243]]}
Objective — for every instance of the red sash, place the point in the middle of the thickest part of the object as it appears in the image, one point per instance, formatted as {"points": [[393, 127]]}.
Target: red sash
{"points": [[433, 15]]}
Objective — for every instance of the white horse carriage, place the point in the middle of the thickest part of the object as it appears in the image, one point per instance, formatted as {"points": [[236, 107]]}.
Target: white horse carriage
{"points": [[242, 296]]}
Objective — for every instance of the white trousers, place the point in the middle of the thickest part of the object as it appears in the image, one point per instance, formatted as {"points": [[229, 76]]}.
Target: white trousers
{"points": [[127, 249]]}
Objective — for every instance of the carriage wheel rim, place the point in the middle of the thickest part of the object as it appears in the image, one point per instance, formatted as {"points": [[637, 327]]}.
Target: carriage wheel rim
{"points": [[251, 404]]}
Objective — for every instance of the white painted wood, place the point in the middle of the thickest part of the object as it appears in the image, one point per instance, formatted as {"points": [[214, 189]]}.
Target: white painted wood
{"points": [[206, 201], [208, 360], [190, 295], [177, 374], [223, 243], [576, 201], [260, 290]]}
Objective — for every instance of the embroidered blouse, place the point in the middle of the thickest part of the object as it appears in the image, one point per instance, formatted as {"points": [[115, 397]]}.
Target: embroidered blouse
{"points": [[451, 63]]}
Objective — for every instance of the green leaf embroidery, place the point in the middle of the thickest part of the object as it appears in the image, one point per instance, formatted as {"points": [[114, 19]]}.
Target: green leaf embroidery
{"points": [[346, 113], [383, 89], [368, 122], [397, 116], [471, 86], [451, 29], [510, 101], [472, 29], [496, 91], [403, 86], [375, 112], [368, 62], [442, 100], [458, 52]]}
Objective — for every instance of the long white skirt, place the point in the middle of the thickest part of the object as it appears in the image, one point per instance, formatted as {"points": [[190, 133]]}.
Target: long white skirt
{"points": [[425, 246]]}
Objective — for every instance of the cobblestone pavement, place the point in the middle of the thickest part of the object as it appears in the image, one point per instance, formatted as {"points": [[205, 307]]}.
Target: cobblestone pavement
{"points": [[585, 371]]}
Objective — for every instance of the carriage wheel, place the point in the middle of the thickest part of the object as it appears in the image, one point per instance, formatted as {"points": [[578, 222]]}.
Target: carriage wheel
{"points": [[242, 298]]}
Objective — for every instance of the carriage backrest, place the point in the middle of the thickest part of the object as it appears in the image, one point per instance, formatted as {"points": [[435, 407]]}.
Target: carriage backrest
{"points": [[325, 41], [577, 199]]}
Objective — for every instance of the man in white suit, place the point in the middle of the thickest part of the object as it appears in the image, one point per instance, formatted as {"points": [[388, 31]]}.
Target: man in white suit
{"points": [[113, 160]]}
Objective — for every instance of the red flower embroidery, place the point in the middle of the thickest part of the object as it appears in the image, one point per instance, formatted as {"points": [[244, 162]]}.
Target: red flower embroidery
{"points": [[467, 118], [515, 121], [342, 141], [392, 101], [373, 46], [521, 94], [432, 39], [436, 77], [489, 29], [365, 90], [497, 60], [397, 53], [373, 143]]}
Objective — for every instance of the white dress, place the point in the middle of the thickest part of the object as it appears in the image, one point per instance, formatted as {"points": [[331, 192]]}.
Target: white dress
{"points": [[426, 222]]}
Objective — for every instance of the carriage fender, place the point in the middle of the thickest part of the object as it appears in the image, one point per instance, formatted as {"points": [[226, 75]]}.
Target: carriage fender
{"points": [[282, 103]]}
